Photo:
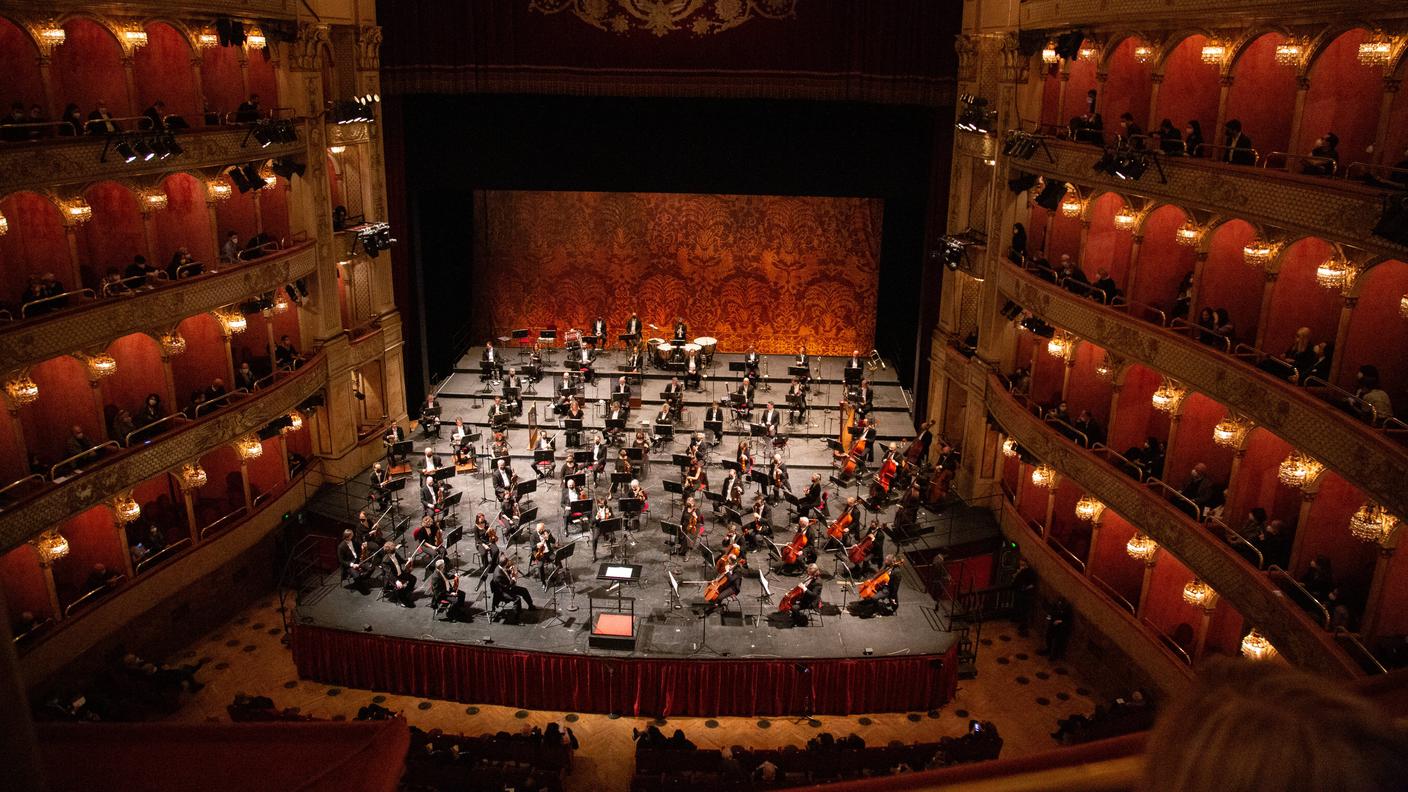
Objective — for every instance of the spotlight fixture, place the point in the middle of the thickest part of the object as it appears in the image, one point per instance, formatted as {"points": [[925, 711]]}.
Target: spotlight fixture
{"points": [[125, 150], [288, 168], [1020, 145], [975, 117], [1068, 45], [1022, 182], [253, 177], [375, 238]]}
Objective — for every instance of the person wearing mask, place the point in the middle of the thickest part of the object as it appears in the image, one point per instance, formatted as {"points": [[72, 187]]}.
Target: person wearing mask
{"points": [[1193, 138], [73, 118], [1131, 134], [230, 251]]}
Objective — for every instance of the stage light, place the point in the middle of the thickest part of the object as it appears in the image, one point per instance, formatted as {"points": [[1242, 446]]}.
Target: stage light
{"points": [[976, 117], [263, 136], [254, 177], [143, 149], [124, 149], [1068, 45], [1393, 223], [1020, 145]]}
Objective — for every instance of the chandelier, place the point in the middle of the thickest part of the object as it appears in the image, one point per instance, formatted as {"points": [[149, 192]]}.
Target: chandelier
{"points": [[1141, 548], [1372, 523], [662, 17], [1199, 594], [1256, 647], [1258, 253], [1048, 54], [1289, 54], [78, 211], [101, 365], [1143, 54], [206, 39], [1125, 219], [249, 447], [336, 150], [1334, 273], [295, 421], [1044, 475], [1009, 447], [51, 546], [1188, 234], [1230, 431], [126, 508], [22, 391], [1377, 51], [135, 37], [1060, 346], [1213, 53], [1168, 396], [1299, 470], [219, 189], [1403, 306], [172, 344], [192, 476], [255, 39], [1071, 205], [153, 200], [4, 225], [1089, 509], [1107, 366], [52, 36], [232, 321], [1088, 52], [280, 302]]}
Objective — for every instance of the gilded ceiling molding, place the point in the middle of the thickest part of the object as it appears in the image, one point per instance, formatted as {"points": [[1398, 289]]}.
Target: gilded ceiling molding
{"points": [[663, 17]]}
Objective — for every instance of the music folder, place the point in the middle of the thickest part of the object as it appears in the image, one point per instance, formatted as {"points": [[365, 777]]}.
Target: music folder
{"points": [[635, 453], [453, 499], [517, 334], [610, 525], [798, 371], [525, 487], [716, 427], [625, 337], [737, 365], [580, 479], [572, 424], [674, 487], [665, 430], [761, 477], [621, 477], [542, 455], [402, 448], [630, 505], [758, 430], [582, 457], [395, 484], [835, 445], [440, 474], [730, 464], [679, 460], [547, 334], [528, 515], [582, 506]]}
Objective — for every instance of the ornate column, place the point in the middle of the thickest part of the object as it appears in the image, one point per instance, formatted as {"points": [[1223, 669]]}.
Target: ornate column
{"points": [[1303, 527], [1223, 94], [1157, 79], [1341, 335], [1116, 386], [1200, 638], [189, 486], [1084, 236], [1136, 244], [1268, 290], [1374, 602], [1381, 153], [1297, 113], [1200, 260], [128, 567], [1144, 585]]}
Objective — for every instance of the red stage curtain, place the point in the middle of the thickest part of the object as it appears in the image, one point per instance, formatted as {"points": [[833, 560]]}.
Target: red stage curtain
{"points": [[313, 756], [631, 686], [744, 269]]}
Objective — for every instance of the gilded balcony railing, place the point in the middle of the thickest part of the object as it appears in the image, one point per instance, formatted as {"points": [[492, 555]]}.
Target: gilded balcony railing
{"points": [[1051, 14]]}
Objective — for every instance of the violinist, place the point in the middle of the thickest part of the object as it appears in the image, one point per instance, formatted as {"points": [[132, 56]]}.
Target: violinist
{"points": [[690, 525], [638, 493], [745, 456], [598, 457], [804, 597], [643, 441], [445, 590], [504, 479], [696, 444], [505, 587], [498, 412], [751, 360], [393, 436], [623, 465], [500, 447], [430, 543], [544, 553], [694, 479], [728, 487], [693, 374], [759, 523], [778, 481], [666, 415], [600, 529], [488, 556], [509, 514], [574, 413], [399, 582], [546, 442], [483, 530]]}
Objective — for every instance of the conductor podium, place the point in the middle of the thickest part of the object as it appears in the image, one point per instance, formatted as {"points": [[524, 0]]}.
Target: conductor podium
{"points": [[613, 619]]}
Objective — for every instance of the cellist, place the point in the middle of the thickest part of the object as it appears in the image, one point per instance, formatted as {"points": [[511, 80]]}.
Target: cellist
{"points": [[845, 524], [728, 584], [805, 596], [884, 478]]}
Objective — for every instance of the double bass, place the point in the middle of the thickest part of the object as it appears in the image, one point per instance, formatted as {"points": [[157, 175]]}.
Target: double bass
{"points": [[884, 477], [793, 549], [915, 452], [938, 485], [871, 587]]}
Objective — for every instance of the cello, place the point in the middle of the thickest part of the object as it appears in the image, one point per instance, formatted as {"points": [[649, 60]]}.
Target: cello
{"points": [[858, 551], [915, 452], [711, 591], [790, 598], [938, 486], [837, 528], [871, 587], [793, 549]]}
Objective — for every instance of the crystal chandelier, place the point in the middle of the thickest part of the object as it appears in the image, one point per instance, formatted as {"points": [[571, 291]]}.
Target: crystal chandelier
{"points": [[1258, 253], [1199, 594], [1071, 205], [1143, 54], [1107, 366], [1230, 431], [1060, 346], [4, 225], [232, 321], [280, 302], [1048, 54], [51, 546], [1141, 548], [249, 447], [336, 150], [153, 200], [78, 211], [1377, 51], [172, 344], [1299, 470], [1256, 647], [1372, 523], [53, 35], [1213, 53], [22, 391], [1403, 306], [1089, 509], [295, 421], [1188, 234], [1168, 396], [193, 476], [126, 508], [255, 39], [1087, 52], [1289, 54], [206, 39], [219, 189], [1125, 219], [1009, 447], [1334, 273], [101, 365], [135, 37], [1044, 475]]}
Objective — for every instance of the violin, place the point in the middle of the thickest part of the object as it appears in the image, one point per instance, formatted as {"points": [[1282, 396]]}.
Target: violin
{"points": [[691, 523], [871, 587], [837, 528], [793, 550]]}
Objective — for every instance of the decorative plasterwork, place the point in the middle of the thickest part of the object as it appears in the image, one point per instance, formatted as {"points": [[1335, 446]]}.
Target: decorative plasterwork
{"points": [[1247, 589], [168, 9], [306, 48], [662, 17], [1039, 14], [167, 453], [78, 160], [1363, 457], [369, 48], [345, 134], [975, 144], [30, 342]]}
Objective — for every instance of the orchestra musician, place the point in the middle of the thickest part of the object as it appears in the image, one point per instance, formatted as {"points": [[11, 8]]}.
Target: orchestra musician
{"points": [[715, 412], [623, 465], [730, 485], [855, 361], [692, 371], [811, 499], [428, 495], [804, 361], [693, 478], [583, 362], [638, 493], [378, 493], [742, 398], [600, 530], [778, 481], [636, 361], [620, 411], [498, 412], [574, 413], [865, 398], [730, 549], [505, 587], [430, 542], [430, 416], [847, 522], [696, 445], [397, 578], [731, 584], [544, 553], [674, 395], [546, 442], [797, 398], [534, 371], [482, 529], [681, 329], [431, 463], [445, 590], [751, 360], [511, 393], [489, 555], [504, 479], [510, 514], [599, 330], [806, 596], [745, 456], [393, 436], [664, 417], [758, 523], [887, 596], [633, 327], [598, 457], [622, 393], [350, 561], [500, 446], [491, 361], [919, 447], [770, 418], [690, 525]]}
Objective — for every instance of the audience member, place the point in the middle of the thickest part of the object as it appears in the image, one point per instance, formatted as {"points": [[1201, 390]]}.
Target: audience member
{"points": [[1319, 578], [100, 121], [140, 274], [1193, 138], [248, 111], [151, 411], [1124, 715], [1131, 134], [1237, 146], [73, 117], [1170, 139], [1371, 402], [1325, 156], [245, 377], [122, 425], [1106, 290], [230, 251]]}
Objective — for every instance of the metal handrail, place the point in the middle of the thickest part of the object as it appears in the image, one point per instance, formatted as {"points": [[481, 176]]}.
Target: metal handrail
{"points": [[224, 397], [38, 627], [167, 551], [1367, 658], [1286, 158], [1363, 171], [89, 293], [1055, 544], [89, 124], [1085, 438], [54, 469], [1237, 540], [182, 272], [1110, 592], [1129, 305], [271, 245], [271, 377], [1103, 450], [73, 131], [238, 512], [125, 283], [127, 441], [1167, 640], [94, 594], [6, 316], [1353, 400], [1199, 333], [1100, 295], [1280, 575], [1207, 150], [17, 483], [1170, 494]]}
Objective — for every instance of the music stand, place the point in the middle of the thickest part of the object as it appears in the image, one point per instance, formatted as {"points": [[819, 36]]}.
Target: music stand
{"points": [[680, 460], [851, 376], [573, 426], [541, 455], [757, 430], [393, 486], [717, 427], [576, 510], [582, 457], [559, 559], [799, 371], [766, 597], [665, 431], [737, 365], [672, 598], [675, 532], [402, 449], [674, 488], [525, 488], [731, 464], [442, 473], [635, 453], [760, 477]]}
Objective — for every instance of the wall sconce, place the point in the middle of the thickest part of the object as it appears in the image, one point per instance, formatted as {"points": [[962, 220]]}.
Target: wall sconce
{"points": [[1256, 647], [1143, 54], [1199, 594], [1071, 205], [231, 321], [51, 545], [77, 211], [249, 447], [1188, 234], [1259, 253], [1060, 346], [1141, 548], [219, 189], [1403, 306], [1289, 54], [1125, 219], [1009, 447], [1107, 367], [1089, 509], [126, 508], [1168, 396], [1044, 476], [1377, 51], [1334, 273], [1373, 523], [153, 200], [172, 344], [295, 421], [192, 476], [21, 391], [1048, 54], [1299, 470], [1213, 53], [1230, 431]]}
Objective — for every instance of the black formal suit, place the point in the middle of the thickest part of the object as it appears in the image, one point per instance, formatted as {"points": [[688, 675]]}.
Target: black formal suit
{"points": [[770, 418]]}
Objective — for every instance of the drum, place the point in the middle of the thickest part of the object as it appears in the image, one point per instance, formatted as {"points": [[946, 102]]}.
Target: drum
{"points": [[707, 344], [662, 353], [695, 348]]}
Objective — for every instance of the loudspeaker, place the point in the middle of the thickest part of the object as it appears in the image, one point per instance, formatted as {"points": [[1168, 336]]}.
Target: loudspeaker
{"points": [[1022, 182], [1068, 44], [1050, 196]]}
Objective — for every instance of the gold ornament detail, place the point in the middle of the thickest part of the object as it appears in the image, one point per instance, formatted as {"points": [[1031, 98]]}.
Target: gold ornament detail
{"points": [[662, 17]]}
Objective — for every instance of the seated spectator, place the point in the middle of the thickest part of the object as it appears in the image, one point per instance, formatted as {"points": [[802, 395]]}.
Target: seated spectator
{"points": [[1088, 426], [1149, 457], [1170, 140], [1131, 134], [1183, 298], [1200, 489], [1274, 544], [151, 411], [254, 248], [164, 676], [1295, 362], [37, 120], [183, 264], [1223, 325], [1106, 291], [122, 425], [99, 578], [245, 377], [1018, 251], [1059, 413], [1069, 273], [1319, 578], [1371, 402], [100, 121], [140, 274], [1325, 156], [74, 121], [1193, 138], [1124, 715], [230, 251], [1238, 146], [286, 354], [10, 131], [248, 111], [112, 284], [216, 389], [78, 443], [1256, 523], [1324, 354]]}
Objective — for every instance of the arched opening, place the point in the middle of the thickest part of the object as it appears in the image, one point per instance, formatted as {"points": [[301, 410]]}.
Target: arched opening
{"points": [[19, 63], [1087, 390], [1257, 485], [262, 79], [1345, 97], [1106, 245], [273, 209], [236, 214], [1110, 562], [1325, 532], [87, 70], [22, 578], [1165, 609], [1396, 142], [1163, 262], [1227, 282], [1297, 300], [115, 235], [65, 400], [93, 539], [163, 522], [139, 373], [1192, 444], [1190, 89], [1082, 81], [221, 501], [1262, 93], [1135, 417], [162, 71], [222, 79], [1068, 533], [202, 363], [35, 245], [1378, 331], [185, 222], [1128, 85]]}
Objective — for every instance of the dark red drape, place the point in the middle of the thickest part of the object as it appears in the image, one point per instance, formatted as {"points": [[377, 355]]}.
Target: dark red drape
{"points": [[633, 686]]}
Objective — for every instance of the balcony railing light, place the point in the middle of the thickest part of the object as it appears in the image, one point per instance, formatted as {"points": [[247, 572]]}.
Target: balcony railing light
{"points": [[1089, 509], [1141, 548], [1256, 647]]}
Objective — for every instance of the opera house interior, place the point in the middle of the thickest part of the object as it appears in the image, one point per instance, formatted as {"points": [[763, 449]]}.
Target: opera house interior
{"points": [[863, 394]]}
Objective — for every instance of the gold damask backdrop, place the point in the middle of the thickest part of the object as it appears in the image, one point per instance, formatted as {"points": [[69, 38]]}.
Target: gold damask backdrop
{"points": [[769, 270]]}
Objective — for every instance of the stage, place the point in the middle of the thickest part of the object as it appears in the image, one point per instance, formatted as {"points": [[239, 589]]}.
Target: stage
{"points": [[745, 659]]}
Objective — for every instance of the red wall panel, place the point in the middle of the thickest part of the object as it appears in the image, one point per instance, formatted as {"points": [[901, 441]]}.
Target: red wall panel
{"points": [[266, 473], [1344, 98], [185, 221], [13, 459], [1396, 144], [1031, 499], [273, 209], [1261, 94], [1327, 532], [744, 269], [1135, 416], [1065, 238], [203, 360], [23, 581], [1081, 82], [1106, 246], [1257, 484], [114, 235], [1162, 261], [87, 68], [1298, 301], [139, 373], [1127, 88], [1109, 560], [1047, 375], [1225, 632], [1377, 332], [1190, 89], [252, 345], [65, 399], [162, 70], [1037, 219], [224, 490], [1393, 617], [262, 80], [236, 214], [92, 539], [35, 244], [19, 63], [1051, 98], [1084, 389], [1166, 609], [1193, 442], [1227, 281], [220, 78]]}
